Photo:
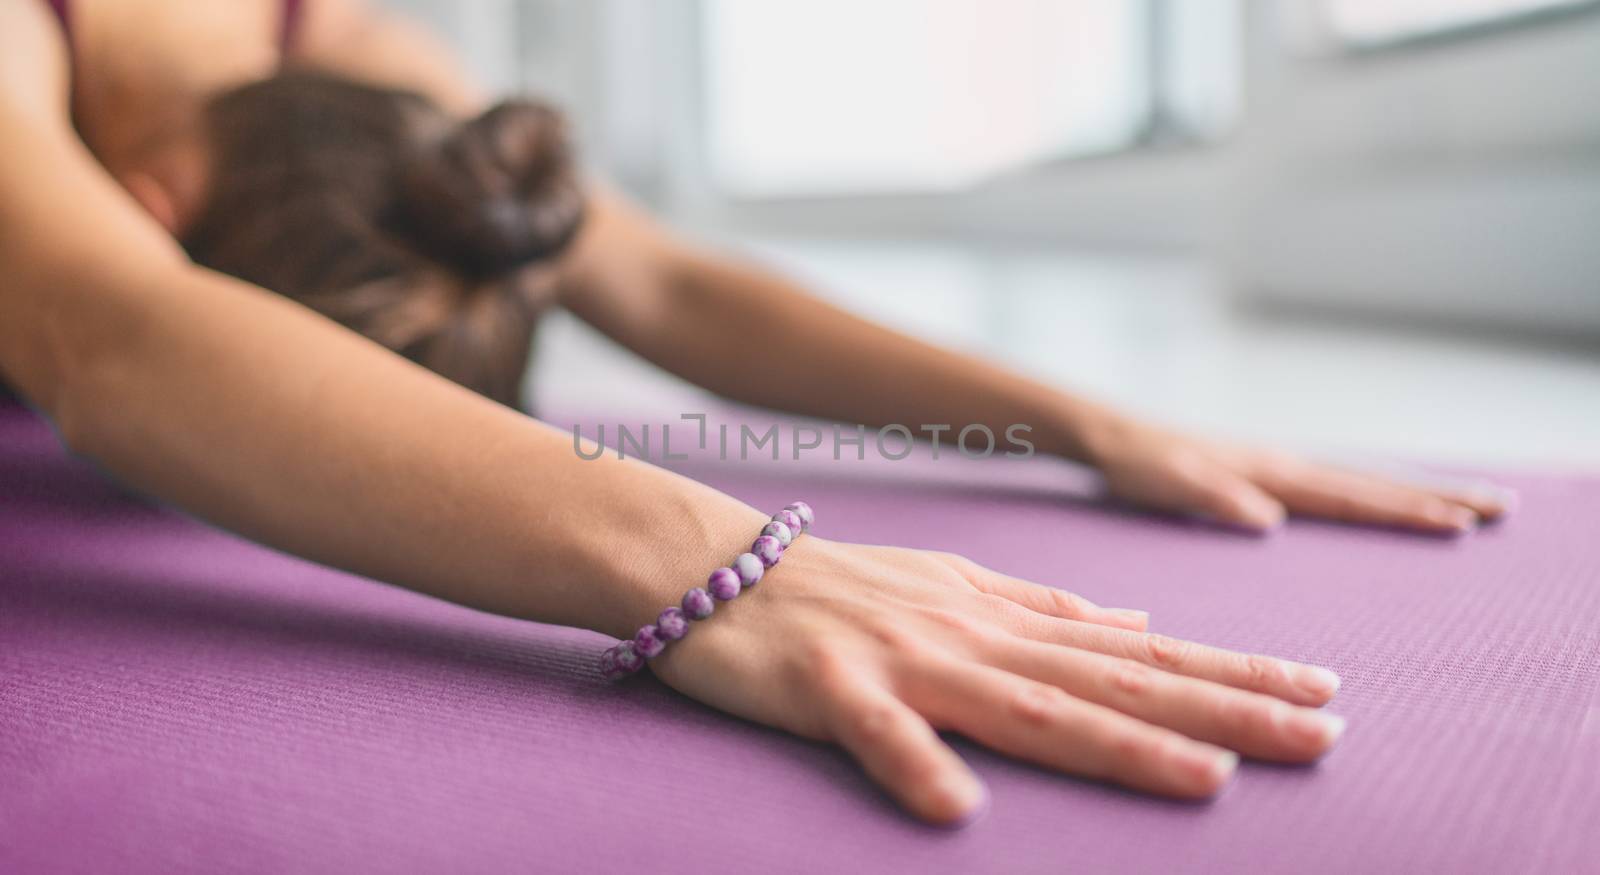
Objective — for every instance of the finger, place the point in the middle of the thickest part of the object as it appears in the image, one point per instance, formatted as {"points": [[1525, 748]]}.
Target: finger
{"points": [[901, 752], [1228, 498], [1251, 723], [1488, 504], [1358, 498], [1290, 681], [1041, 723], [1486, 499], [1055, 602], [1210, 489]]}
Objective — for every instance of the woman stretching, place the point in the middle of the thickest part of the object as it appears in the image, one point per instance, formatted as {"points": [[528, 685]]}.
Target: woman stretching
{"points": [[244, 244]]}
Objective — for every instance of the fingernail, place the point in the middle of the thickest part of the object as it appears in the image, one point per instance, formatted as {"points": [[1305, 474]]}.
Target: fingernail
{"points": [[1142, 617], [1462, 519], [1317, 680], [974, 814], [1223, 766], [1211, 768], [1510, 499], [1505, 500], [1317, 727], [1226, 764], [961, 799], [1266, 514]]}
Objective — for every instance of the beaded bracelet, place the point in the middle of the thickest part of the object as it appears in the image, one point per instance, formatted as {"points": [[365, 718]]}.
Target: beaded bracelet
{"points": [[724, 584]]}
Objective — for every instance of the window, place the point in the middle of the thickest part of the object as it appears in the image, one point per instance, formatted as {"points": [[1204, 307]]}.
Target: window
{"points": [[1372, 22], [846, 97]]}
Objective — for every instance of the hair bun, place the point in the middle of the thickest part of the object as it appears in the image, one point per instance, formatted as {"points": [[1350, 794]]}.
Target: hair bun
{"points": [[496, 193]]}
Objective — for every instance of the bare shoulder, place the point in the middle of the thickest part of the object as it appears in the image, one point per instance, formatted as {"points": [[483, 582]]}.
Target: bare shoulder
{"points": [[34, 65], [326, 23], [365, 41], [51, 187]]}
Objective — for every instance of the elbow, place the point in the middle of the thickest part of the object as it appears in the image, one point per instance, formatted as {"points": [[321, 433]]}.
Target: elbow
{"points": [[74, 420], [99, 393], [57, 399], [83, 380]]}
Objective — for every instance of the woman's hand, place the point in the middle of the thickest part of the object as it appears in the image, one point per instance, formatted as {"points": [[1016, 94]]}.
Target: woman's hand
{"points": [[877, 648], [1255, 488]]}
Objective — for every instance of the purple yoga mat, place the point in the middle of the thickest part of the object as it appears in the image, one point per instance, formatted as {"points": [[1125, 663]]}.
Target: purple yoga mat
{"points": [[174, 699]]}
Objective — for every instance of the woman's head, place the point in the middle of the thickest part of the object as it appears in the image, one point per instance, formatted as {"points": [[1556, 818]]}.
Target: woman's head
{"points": [[434, 237]]}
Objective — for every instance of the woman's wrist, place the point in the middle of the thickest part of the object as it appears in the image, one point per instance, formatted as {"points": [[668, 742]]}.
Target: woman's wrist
{"points": [[1080, 430], [642, 567], [699, 603]]}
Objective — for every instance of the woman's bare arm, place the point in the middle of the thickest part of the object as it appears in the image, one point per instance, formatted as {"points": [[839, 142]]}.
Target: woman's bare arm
{"points": [[749, 333], [752, 335], [254, 412]]}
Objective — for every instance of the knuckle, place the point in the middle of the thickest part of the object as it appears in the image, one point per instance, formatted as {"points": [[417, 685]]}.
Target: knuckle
{"points": [[1263, 672], [1037, 704], [1131, 678], [1244, 714], [1010, 613], [1272, 718], [1004, 611], [895, 639], [956, 622], [1186, 463], [1066, 604], [1168, 652], [821, 663], [873, 724], [958, 562], [1131, 745]]}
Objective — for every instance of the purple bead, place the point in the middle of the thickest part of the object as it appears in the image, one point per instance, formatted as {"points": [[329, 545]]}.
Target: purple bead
{"points": [[697, 604], [724, 584], [780, 531], [767, 549], [608, 664], [648, 643], [628, 659], [803, 511], [672, 624], [790, 519], [749, 569]]}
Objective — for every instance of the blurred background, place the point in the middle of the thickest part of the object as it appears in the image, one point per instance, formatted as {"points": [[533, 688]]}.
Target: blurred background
{"points": [[1346, 226]]}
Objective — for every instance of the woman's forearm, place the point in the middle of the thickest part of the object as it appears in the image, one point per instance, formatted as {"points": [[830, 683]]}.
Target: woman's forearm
{"points": [[805, 355], [258, 415], [751, 335]]}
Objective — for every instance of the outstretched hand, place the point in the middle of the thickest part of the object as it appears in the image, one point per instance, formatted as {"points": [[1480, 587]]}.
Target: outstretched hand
{"points": [[880, 648], [1255, 488]]}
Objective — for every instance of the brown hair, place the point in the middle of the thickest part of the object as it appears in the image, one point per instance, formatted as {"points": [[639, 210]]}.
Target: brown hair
{"points": [[432, 236]]}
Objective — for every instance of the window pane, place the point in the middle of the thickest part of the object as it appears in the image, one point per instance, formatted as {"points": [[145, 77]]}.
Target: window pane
{"points": [[1201, 67], [1372, 21], [846, 96]]}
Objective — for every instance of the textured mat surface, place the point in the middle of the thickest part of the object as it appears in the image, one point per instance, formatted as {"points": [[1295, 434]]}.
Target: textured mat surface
{"points": [[175, 699]]}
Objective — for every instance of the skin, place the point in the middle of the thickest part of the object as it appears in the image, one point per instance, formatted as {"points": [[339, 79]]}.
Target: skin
{"points": [[259, 415]]}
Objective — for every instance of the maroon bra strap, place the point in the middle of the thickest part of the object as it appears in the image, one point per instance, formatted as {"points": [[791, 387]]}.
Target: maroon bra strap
{"points": [[64, 15], [292, 10], [288, 27]]}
